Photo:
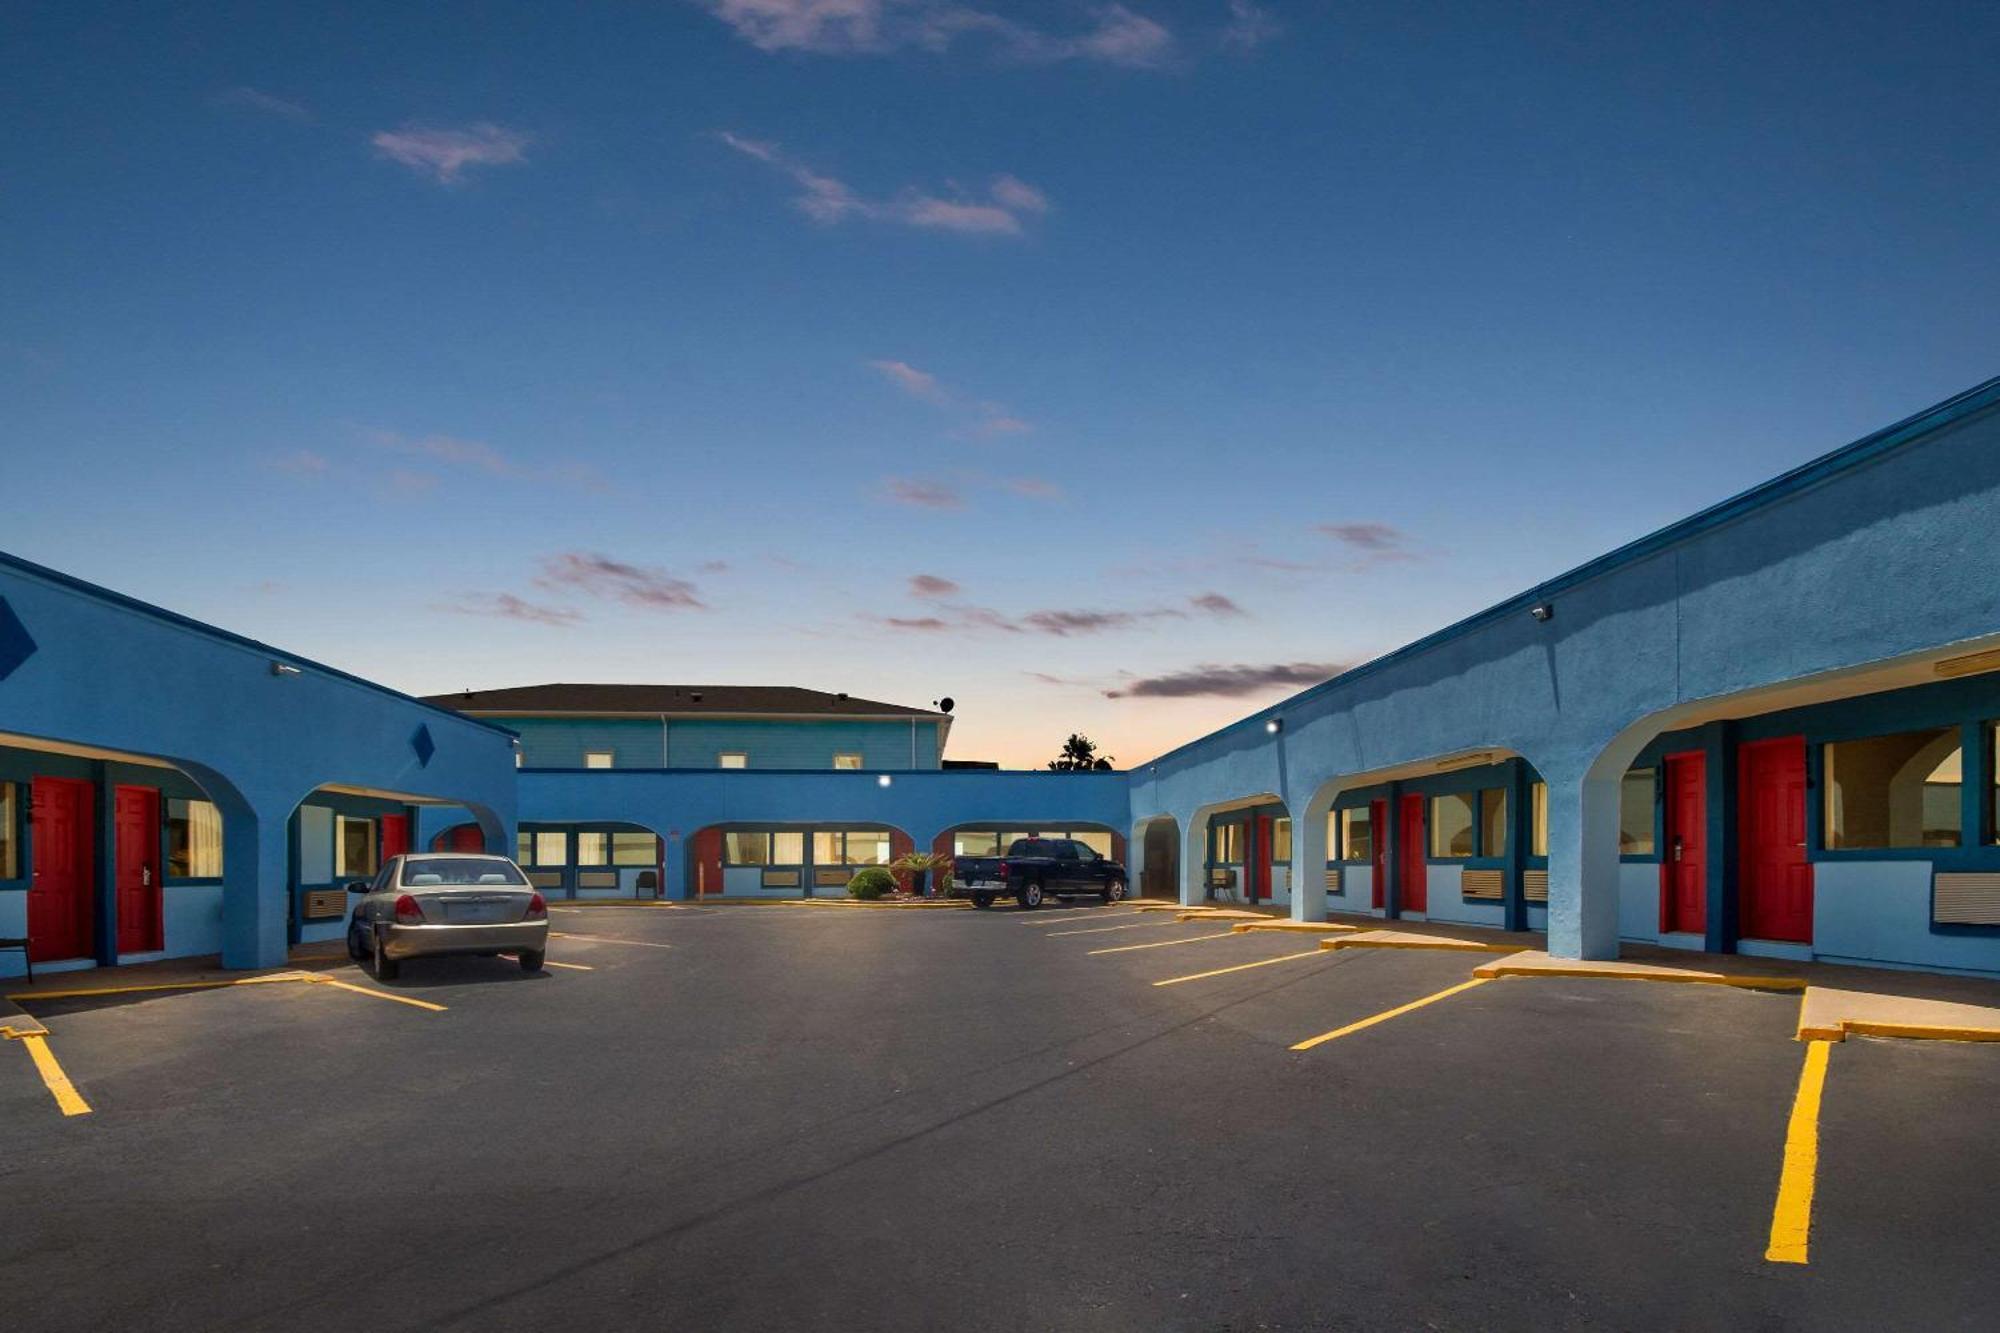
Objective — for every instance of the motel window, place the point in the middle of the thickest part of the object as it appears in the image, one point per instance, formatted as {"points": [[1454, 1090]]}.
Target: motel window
{"points": [[1281, 840], [634, 849], [1451, 825], [194, 840], [847, 761], [732, 759], [524, 848], [597, 758], [10, 838], [1538, 795], [975, 842], [868, 847], [762, 847], [1894, 791], [551, 849], [354, 846], [1635, 813], [1357, 834], [593, 849], [1493, 821], [1097, 842], [1229, 844]]}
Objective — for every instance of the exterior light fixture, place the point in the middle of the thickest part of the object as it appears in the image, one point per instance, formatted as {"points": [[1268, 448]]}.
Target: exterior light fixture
{"points": [[885, 781], [283, 669], [1274, 725], [1542, 611]]}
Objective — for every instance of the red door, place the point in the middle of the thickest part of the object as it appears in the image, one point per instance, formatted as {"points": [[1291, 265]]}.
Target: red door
{"points": [[1684, 860], [464, 838], [395, 836], [59, 917], [1775, 883], [1260, 861], [1410, 854], [1378, 831], [136, 827]]}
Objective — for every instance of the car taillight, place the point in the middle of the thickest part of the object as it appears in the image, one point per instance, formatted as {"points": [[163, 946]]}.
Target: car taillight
{"points": [[407, 911], [1002, 872], [536, 907]]}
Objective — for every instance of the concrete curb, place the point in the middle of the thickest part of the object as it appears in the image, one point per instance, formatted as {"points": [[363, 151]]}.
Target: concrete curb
{"points": [[1532, 963], [1396, 939], [1294, 927], [1829, 1013]]}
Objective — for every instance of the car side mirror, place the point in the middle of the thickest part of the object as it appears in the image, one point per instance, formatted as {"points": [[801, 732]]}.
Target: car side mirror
{"points": [[357, 887]]}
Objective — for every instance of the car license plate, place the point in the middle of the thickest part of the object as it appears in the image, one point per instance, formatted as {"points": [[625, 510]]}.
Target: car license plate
{"points": [[472, 913]]}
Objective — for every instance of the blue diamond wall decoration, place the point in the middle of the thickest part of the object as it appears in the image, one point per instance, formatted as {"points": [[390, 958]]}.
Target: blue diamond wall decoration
{"points": [[423, 744], [16, 644]]}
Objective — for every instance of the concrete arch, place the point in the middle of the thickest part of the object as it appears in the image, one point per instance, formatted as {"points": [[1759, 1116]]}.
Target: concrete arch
{"points": [[1195, 886], [709, 874]]}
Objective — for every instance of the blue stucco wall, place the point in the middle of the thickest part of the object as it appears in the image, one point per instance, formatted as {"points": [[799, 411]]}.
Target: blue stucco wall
{"points": [[679, 803], [89, 667], [1880, 551]]}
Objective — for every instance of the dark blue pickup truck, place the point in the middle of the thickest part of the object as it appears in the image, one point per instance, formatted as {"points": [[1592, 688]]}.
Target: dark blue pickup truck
{"points": [[1035, 869]]}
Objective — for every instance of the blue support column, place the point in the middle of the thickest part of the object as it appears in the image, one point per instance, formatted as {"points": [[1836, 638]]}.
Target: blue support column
{"points": [[1392, 854], [1520, 836], [255, 895], [1718, 746]]}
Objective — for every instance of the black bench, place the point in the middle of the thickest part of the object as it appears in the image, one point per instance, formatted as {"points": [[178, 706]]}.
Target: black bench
{"points": [[26, 960]]}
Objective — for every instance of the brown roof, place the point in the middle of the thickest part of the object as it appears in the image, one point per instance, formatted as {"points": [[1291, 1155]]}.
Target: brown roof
{"points": [[736, 700]]}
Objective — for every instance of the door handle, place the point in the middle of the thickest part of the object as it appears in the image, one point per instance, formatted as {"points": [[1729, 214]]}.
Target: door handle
{"points": [[1677, 849]]}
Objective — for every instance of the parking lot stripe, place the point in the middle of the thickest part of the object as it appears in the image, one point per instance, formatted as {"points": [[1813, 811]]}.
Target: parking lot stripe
{"points": [[1240, 967], [1161, 944], [1045, 923], [1099, 930], [380, 994], [608, 939], [1791, 1217], [65, 1093], [1388, 1014]]}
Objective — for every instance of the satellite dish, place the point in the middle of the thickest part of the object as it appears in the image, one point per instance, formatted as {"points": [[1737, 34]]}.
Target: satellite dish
{"points": [[946, 704]]}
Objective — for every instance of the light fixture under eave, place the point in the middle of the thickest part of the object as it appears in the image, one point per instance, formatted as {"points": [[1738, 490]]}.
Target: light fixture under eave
{"points": [[1542, 611], [1969, 665], [1274, 725], [884, 781], [284, 669]]}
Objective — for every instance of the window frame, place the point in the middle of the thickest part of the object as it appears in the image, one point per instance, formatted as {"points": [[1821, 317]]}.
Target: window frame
{"points": [[722, 758], [854, 767], [1820, 795], [12, 866], [372, 823], [167, 811], [590, 758]]}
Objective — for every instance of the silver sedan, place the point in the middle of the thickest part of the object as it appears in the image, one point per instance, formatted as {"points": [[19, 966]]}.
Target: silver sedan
{"points": [[428, 905]]}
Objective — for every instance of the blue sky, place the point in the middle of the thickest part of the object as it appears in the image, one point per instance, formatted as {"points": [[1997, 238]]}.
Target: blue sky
{"points": [[1102, 366]]}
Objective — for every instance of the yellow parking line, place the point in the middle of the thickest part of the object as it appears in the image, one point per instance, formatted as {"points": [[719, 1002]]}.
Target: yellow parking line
{"points": [[34, 995], [1791, 1217], [1388, 1014], [1099, 930], [550, 962], [1241, 967], [1161, 944], [380, 994], [608, 939], [65, 1093]]}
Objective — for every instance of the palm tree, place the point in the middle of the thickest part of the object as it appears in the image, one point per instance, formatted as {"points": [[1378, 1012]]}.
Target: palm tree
{"points": [[1079, 755]]}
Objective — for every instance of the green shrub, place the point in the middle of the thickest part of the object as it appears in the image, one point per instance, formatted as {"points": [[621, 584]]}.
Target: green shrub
{"points": [[871, 882]]}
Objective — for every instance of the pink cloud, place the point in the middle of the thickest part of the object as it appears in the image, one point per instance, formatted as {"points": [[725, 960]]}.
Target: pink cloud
{"points": [[921, 494], [507, 606], [914, 382], [616, 580], [443, 154], [828, 200], [929, 587], [1118, 36]]}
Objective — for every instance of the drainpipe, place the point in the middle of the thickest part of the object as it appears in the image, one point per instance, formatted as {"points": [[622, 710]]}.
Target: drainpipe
{"points": [[666, 749]]}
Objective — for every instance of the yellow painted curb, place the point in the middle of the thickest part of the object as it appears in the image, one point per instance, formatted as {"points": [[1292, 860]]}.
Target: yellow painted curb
{"points": [[1299, 927], [1690, 978], [1863, 1027], [1444, 945]]}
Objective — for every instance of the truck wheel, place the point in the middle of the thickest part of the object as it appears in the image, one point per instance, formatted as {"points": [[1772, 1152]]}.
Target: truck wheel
{"points": [[982, 900], [1114, 892], [1030, 896]]}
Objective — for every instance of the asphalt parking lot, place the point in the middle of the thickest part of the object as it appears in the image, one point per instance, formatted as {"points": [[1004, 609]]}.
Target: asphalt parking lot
{"points": [[835, 1118]]}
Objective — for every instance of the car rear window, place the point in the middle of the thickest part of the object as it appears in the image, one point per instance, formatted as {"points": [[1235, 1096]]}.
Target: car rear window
{"points": [[458, 871]]}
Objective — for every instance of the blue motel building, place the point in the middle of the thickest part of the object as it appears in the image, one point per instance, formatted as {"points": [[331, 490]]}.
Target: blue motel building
{"points": [[1769, 728]]}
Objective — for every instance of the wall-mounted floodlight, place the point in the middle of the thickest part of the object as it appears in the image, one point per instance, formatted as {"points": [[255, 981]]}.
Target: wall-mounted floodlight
{"points": [[885, 781], [1542, 611], [1274, 725], [283, 669]]}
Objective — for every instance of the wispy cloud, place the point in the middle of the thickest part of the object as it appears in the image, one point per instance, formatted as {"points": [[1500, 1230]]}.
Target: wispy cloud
{"points": [[1056, 622], [988, 418], [300, 463], [444, 154], [478, 456], [950, 493], [921, 493], [1250, 25], [252, 99], [1000, 211], [507, 606], [931, 587], [1214, 681], [615, 580], [1116, 35], [1215, 604], [1372, 543]]}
